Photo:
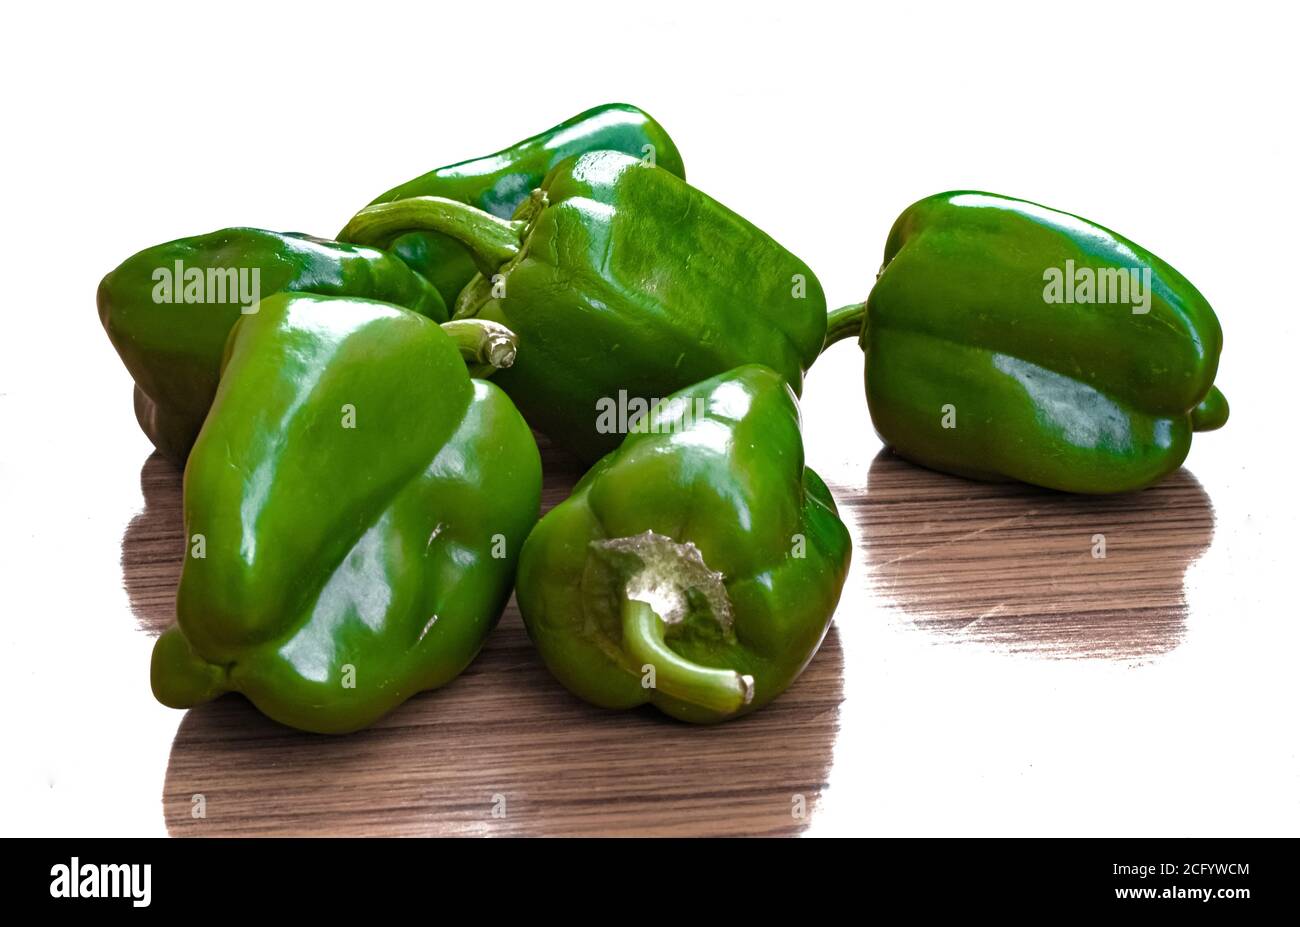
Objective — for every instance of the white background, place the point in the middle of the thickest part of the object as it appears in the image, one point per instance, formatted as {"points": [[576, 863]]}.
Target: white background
{"points": [[1174, 123]]}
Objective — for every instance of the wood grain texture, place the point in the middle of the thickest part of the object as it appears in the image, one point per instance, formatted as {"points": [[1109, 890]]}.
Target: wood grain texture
{"points": [[1015, 566], [505, 750], [153, 547]]}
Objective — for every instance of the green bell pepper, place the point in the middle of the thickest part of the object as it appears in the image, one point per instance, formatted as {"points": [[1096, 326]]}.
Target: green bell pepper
{"points": [[169, 308], [354, 507], [623, 283], [498, 183], [1006, 340], [695, 568]]}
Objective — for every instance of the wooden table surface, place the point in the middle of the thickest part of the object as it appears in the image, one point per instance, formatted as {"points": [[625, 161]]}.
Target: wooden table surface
{"points": [[986, 673], [1007, 572]]}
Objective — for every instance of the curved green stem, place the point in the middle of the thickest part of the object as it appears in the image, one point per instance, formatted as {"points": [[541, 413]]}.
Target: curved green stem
{"points": [[489, 240], [486, 346], [1212, 413], [845, 322], [723, 691], [472, 297]]}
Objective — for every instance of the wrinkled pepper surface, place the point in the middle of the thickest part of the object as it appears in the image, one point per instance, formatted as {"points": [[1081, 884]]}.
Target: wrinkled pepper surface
{"points": [[624, 284], [1006, 340], [697, 567], [499, 182], [168, 310], [354, 508]]}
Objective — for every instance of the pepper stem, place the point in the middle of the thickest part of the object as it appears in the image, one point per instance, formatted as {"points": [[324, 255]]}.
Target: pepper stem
{"points": [[489, 240], [472, 297], [1212, 412], [485, 346], [845, 322], [723, 691]]}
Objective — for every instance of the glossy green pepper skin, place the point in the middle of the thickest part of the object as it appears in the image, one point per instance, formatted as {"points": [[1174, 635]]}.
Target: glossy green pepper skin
{"points": [[703, 547], [1006, 340], [499, 182], [621, 280], [354, 508], [171, 341]]}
